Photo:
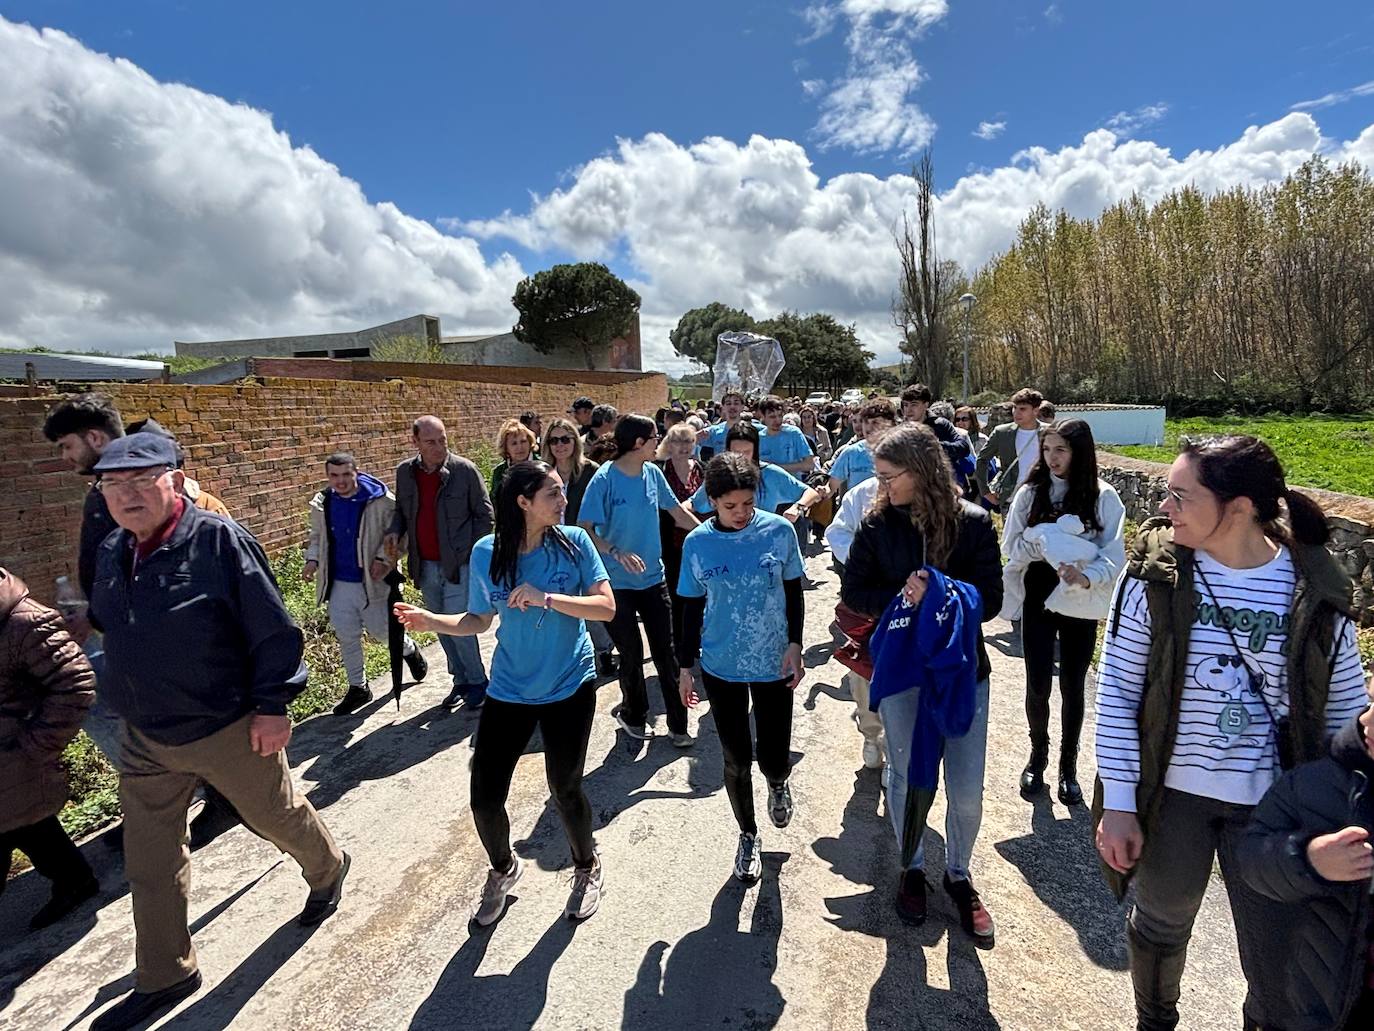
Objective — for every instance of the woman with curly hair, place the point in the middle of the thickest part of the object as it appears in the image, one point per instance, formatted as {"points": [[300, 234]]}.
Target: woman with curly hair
{"points": [[920, 520]]}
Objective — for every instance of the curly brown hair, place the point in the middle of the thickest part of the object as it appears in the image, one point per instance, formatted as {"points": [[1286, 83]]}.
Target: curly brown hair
{"points": [[934, 510]]}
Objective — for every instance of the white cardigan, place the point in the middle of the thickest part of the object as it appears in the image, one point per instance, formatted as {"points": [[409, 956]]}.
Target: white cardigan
{"points": [[1091, 602]]}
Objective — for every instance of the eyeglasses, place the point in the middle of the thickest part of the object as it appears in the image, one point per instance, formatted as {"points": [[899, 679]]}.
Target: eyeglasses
{"points": [[1174, 496], [560, 440], [962, 418], [133, 485], [886, 479]]}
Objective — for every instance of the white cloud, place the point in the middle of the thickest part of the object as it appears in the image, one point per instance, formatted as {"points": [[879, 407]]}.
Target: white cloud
{"points": [[869, 109], [1127, 123], [1364, 89], [1054, 14], [753, 225], [133, 212], [989, 130]]}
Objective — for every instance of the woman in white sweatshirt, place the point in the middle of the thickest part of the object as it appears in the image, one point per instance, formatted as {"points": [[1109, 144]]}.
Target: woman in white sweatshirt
{"points": [[1064, 587]]}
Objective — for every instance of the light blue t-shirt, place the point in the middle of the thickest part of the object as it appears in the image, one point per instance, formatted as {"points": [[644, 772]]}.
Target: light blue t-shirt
{"points": [[537, 663], [624, 510], [740, 573], [777, 487], [715, 436], [785, 447], [854, 464]]}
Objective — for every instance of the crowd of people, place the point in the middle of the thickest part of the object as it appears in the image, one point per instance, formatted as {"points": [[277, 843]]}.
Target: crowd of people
{"points": [[1233, 721]]}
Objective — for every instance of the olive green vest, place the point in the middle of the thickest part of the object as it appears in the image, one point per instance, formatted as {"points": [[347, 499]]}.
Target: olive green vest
{"points": [[1322, 594]]}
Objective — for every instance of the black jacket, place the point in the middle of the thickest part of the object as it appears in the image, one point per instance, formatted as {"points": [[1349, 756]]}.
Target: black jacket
{"points": [[96, 525], [955, 444], [888, 548], [1318, 940], [199, 636]]}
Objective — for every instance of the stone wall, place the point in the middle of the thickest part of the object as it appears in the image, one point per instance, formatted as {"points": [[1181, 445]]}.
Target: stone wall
{"points": [[1141, 486], [260, 445]]}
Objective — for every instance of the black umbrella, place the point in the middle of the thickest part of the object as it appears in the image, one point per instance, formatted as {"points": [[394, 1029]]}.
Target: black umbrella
{"points": [[395, 637]]}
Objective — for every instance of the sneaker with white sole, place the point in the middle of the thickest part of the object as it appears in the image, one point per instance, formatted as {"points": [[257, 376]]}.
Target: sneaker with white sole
{"points": [[494, 893], [585, 896], [749, 859], [683, 740], [873, 754], [780, 804]]}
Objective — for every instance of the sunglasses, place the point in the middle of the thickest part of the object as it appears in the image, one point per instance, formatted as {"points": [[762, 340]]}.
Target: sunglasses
{"points": [[560, 440]]}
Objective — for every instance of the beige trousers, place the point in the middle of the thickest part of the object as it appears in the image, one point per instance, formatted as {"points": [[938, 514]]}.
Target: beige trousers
{"points": [[155, 790], [869, 725]]}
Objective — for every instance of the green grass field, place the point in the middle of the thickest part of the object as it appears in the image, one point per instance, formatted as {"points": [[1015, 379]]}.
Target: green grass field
{"points": [[1333, 452]]}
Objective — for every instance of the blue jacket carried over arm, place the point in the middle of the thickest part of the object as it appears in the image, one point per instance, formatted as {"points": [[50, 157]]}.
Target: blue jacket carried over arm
{"points": [[933, 648]]}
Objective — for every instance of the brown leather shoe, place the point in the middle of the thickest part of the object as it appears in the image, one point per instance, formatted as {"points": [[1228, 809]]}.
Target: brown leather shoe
{"points": [[911, 897], [974, 917]]}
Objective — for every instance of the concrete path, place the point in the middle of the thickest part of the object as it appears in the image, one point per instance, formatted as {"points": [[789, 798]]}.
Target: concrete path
{"points": [[677, 943]]}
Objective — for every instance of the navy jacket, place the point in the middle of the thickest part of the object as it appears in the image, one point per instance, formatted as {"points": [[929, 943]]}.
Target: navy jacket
{"points": [[1317, 933], [199, 637]]}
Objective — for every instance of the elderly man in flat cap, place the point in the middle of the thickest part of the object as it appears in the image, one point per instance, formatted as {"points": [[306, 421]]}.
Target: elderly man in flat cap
{"points": [[201, 659]]}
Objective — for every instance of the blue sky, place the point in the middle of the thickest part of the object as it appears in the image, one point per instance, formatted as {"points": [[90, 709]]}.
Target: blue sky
{"points": [[457, 113]]}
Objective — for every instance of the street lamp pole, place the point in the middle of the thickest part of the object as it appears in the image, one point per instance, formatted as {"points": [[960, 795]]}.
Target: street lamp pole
{"points": [[967, 302]]}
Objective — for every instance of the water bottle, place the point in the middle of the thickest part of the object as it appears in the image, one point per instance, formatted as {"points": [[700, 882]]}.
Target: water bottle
{"points": [[70, 601]]}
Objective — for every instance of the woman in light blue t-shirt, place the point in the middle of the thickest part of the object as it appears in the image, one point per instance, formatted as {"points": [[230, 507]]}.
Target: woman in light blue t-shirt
{"points": [[546, 580], [620, 511], [741, 588]]}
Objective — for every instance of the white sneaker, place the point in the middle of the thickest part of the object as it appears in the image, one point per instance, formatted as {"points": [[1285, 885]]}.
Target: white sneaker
{"points": [[494, 893], [586, 892], [748, 860], [639, 733], [873, 753]]}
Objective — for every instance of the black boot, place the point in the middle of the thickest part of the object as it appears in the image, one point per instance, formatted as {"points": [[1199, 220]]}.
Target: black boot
{"points": [[417, 665], [1033, 776], [356, 697], [1157, 974], [1069, 791]]}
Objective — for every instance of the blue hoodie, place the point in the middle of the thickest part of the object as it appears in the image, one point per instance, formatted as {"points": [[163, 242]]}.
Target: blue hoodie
{"points": [[343, 517], [933, 649]]}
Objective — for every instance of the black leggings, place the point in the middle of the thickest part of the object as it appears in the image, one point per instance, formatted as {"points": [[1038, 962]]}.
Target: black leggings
{"points": [[503, 732], [1077, 641], [773, 724], [652, 605], [51, 852]]}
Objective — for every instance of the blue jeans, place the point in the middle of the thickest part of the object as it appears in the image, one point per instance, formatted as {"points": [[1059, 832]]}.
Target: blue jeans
{"points": [[464, 657], [102, 724], [964, 760]]}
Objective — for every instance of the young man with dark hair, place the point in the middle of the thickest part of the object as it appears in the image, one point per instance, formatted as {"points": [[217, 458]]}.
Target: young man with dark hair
{"points": [[1046, 413], [916, 400], [854, 464], [731, 408], [781, 444], [346, 555], [581, 411], [1014, 445]]}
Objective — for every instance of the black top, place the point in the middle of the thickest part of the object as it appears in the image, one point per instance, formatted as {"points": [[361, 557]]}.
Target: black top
{"points": [[888, 548]]}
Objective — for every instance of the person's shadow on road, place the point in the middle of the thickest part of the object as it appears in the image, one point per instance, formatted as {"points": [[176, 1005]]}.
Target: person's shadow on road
{"points": [[717, 975], [865, 853], [617, 783], [377, 755], [1060, 864], [495, 1001]]}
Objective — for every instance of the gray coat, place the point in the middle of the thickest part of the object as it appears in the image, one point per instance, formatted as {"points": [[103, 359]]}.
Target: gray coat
{"points": [[1001, 445], [464, 514]]}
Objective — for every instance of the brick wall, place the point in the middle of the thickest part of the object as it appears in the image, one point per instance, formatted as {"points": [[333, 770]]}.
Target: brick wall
{"points": [[260, 446]]}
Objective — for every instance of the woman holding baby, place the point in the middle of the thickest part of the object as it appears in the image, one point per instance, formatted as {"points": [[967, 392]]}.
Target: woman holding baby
{"points": [[1064, 550]]}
